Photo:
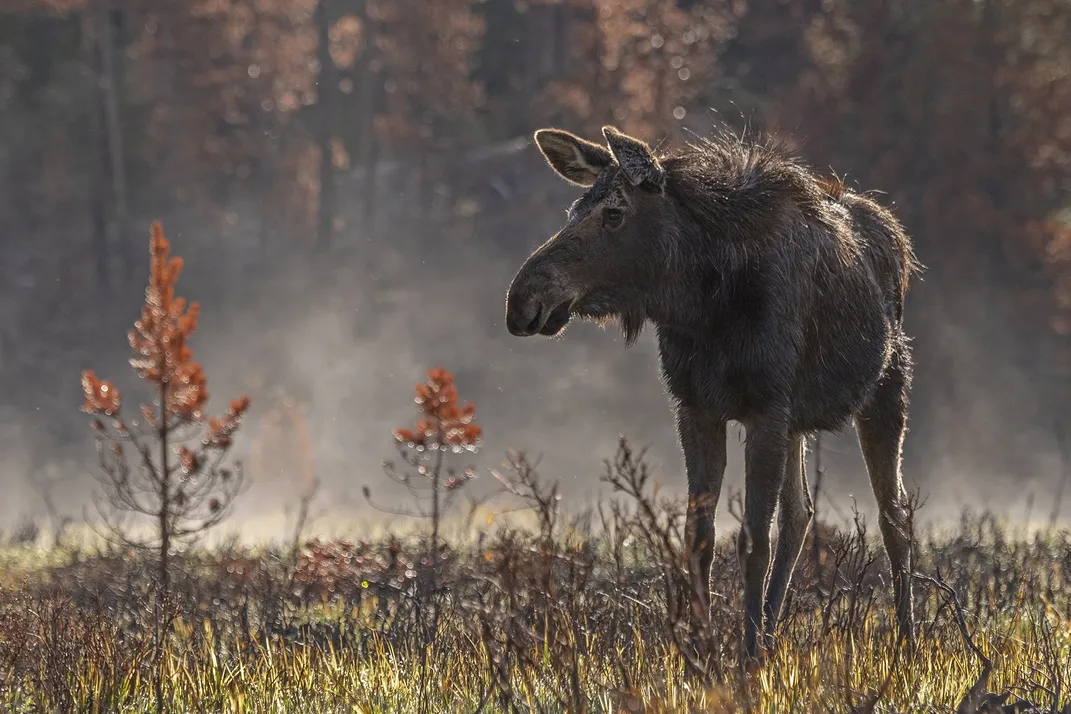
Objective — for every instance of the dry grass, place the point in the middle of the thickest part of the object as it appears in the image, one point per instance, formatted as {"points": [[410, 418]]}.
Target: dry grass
{"points": [[301, 677], [577, 614]]}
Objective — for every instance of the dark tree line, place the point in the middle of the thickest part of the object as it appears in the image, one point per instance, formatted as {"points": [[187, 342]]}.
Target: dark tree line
{"points": [[279, 125]]}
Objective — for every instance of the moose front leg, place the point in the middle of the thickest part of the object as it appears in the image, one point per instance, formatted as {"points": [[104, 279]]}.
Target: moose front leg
{"points": [[703, 440], [764, 471]]}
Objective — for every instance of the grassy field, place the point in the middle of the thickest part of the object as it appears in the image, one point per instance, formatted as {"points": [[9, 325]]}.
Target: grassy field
{"points": [[579, 613]]}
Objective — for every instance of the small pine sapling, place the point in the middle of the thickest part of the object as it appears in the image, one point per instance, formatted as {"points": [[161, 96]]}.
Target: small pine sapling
{"points": [[444, 426], [168, 466]]}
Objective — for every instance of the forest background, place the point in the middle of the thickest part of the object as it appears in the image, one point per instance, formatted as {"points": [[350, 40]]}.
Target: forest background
{"points": [[352, 186]]}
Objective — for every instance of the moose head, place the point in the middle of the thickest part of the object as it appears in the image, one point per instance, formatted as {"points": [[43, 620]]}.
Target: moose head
{"points": [[608, 256]]}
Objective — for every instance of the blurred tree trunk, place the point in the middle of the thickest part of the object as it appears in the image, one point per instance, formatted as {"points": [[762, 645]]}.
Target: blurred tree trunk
{"points": [[425, 181], [535, 48], [368, 82], [110, 77], [98, 152], [326, 87], [560, 36]]}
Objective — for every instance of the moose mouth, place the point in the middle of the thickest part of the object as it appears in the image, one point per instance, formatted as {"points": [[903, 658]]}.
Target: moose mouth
{"points": [[553, 321]]}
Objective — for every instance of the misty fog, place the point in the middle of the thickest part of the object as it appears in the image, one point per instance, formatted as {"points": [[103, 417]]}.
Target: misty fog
{"points": [[414, 275], [351, 339]]}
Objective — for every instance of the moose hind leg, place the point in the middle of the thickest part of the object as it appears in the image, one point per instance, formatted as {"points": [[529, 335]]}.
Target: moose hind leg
{"points": [[794, 518], [881, 426]]}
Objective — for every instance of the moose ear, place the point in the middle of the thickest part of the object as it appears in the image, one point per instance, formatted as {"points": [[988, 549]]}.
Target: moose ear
{"points": [[637, 161], [576, 160]]}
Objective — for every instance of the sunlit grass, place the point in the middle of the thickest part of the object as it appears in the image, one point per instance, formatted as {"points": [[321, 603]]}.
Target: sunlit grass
{"points": [[231, 675], [359, 647]]}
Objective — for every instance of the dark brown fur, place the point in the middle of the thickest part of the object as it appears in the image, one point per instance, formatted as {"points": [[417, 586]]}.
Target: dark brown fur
{"points": [[777, 298]]}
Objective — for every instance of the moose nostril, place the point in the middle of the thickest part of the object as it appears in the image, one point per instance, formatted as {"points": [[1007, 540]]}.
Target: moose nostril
{"points": [[535, 324]]}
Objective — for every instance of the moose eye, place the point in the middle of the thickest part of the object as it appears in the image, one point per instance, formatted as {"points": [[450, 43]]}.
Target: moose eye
{"points": [[613, 217]]}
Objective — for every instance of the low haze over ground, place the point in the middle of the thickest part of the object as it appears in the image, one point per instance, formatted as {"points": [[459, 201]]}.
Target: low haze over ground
{"points": [[341, 298]]}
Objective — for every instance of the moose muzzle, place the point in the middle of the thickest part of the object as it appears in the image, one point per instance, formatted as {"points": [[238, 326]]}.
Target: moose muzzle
{"points": [[530, 313]]}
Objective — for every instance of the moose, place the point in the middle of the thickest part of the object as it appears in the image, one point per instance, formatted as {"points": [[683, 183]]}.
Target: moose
{"points": [[777, 300]]}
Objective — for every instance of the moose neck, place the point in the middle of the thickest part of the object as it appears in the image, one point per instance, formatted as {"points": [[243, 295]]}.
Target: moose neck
{"points": [[730, 215], [697, 264]]}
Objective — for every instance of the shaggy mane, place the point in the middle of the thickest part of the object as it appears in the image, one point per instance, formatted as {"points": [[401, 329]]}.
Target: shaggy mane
{"points": [[752, 190]]}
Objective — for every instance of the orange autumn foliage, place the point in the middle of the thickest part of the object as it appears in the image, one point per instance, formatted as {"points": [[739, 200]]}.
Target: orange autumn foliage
{"points": [[159, 337], [159, 341], [446, 422], [101, 396]]}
